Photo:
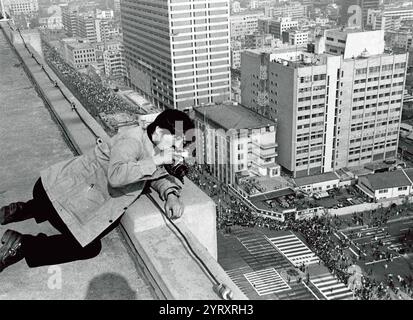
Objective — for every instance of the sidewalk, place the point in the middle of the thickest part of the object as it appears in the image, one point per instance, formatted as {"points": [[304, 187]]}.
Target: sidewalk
{"points": [[29, 142]]}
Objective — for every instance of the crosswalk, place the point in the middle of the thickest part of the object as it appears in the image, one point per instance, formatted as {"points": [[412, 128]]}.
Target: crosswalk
{"points": [[331, 288], [237, 276], [259, 254], [267, 281], [294, 250]]}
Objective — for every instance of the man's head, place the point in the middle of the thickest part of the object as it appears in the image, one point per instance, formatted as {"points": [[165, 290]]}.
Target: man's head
{"points": [[169, 129]]}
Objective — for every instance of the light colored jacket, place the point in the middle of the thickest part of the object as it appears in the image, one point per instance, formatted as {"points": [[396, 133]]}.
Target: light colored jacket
{"points": [[91, 191]]}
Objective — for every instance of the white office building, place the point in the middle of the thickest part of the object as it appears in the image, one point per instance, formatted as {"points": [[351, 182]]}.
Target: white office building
{"points": [[177, 52]]}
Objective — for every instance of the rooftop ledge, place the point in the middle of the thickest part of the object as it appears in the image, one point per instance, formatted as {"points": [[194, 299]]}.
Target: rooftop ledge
{"points": [[159, 251]]}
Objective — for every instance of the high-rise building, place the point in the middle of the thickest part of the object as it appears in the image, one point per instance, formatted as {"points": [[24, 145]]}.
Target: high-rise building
{"points": [[339, 106], [116, 6], [177, 54], [69, 19], [86, 27]]}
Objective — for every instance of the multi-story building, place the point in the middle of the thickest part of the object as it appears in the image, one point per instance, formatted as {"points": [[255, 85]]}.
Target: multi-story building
{"points": [[52, 22], [17, 7], [104, 14], [233, 139], [388, 17], [367, 5], [405, 13], [245, 22], [112, 45], [293, 10], [379, 21], [80, 54], [235, 7], [258, 40], [295, 37], [278, 26], [114, 64], [116, 6], [177, 54], [86, 28], [336, 107], [399, 39], [102, 30], [236, 54], [69, 19]]}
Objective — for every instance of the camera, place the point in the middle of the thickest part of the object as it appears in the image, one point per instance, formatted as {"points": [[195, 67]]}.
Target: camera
{"points": [[178, 169]]}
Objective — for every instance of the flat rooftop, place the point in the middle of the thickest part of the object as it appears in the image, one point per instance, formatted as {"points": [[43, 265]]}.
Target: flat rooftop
{"points": [[390, 179], [29, 142], [229, 116], [318, 178]]}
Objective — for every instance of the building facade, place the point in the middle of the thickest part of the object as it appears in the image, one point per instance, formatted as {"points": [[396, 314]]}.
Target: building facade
{"points": [[80, 54], [244, 23], [86, 28], [293, 10], [177, 53], [295, 37], [277, 26], [338, 107], [233, 140], [114, 64], [17, 7], [386, 185], [69, 19]]}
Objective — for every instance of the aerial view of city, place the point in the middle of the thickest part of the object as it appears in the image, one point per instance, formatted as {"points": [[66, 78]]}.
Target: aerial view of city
{"points": [[206, 150]]}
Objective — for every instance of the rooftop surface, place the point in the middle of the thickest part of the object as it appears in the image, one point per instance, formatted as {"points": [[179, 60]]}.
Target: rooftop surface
{"points": [[390, 179], [328, 176], [29, 142], [409, 173], [229, 116]]}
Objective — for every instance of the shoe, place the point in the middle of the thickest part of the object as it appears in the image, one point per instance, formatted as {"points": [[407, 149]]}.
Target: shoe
{"points": [[13, 213], [11, 251]]}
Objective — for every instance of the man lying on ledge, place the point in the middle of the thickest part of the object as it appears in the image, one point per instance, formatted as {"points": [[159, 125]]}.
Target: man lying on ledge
{"points": [[84, 197]]}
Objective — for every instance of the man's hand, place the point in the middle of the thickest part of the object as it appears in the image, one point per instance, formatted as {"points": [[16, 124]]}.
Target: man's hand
{"points": [[167, 156], [174, 207]]}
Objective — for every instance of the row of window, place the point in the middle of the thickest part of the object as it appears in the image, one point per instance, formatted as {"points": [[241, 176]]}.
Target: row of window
{"points": [[395, 75], [315, 77], [321, 96], [197, 14], [374, 96], [386, 67]]}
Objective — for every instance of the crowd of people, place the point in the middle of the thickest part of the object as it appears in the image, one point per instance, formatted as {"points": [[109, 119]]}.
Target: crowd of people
{"points": [[317, 232], [89, 91]]}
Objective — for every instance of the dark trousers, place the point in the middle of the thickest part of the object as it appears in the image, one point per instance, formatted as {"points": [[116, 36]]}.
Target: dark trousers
{"points": [[43, 250]]}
